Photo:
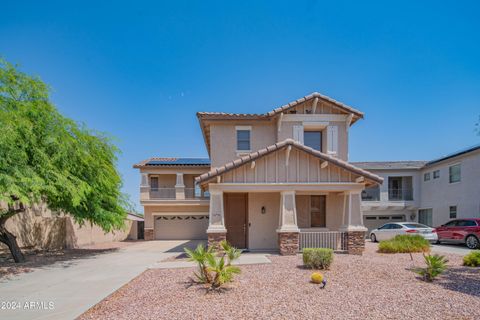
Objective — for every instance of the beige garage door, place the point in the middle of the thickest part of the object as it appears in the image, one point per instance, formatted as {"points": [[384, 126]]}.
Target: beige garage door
{"points": [[373, 222], [187, 227]]}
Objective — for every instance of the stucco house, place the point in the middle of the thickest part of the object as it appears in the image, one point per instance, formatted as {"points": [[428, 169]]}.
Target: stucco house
{"points": [[430, 192], [280, 180]]}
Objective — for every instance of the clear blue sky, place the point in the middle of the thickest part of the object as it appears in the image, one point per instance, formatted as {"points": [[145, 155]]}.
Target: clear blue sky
{"points": [[140, 70]]}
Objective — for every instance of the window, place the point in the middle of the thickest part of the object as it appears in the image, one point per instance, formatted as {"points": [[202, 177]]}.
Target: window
{"points": [[371, 194], [425, 216], [386, 227], [455, 173], [317, 211], [453, 212], [467, 223], [453, 223], [436, 174], [313, 139], [396, 226], [426, 176], [243, 139], [154, 183]]}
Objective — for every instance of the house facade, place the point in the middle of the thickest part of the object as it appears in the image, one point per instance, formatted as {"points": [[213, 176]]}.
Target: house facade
{"points": [[274, 181], [429, 192]]}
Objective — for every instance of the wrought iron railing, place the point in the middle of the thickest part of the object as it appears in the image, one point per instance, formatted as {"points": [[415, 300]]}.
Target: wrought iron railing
{"points": [[400, 194]]}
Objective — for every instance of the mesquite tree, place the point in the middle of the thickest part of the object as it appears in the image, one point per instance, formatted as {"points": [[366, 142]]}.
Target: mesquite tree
{"points": [[48, 158]]}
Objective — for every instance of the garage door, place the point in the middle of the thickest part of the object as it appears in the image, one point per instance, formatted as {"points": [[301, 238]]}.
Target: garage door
{"points": [[373, 222], [187, 227]]}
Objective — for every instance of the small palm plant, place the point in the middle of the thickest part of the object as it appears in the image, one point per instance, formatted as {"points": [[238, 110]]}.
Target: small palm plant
{"points": [[436, 265], [215, 268]]}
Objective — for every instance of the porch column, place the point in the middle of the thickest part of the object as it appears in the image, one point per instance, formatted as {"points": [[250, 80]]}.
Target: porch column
{"points": [[216, 225], [179, 187], [353, 223], [144, 186], [288, 232]]}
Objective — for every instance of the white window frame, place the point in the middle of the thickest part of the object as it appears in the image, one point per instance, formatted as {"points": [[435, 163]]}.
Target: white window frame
{"points": [[450, 175], [436, 171], [243, 128], [426, 176], [450, 212]]}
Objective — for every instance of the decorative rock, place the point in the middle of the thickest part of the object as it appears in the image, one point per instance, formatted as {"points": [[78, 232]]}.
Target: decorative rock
{"points": [[288, 242]]}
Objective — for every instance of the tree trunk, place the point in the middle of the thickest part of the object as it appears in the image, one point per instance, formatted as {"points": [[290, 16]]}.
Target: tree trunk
{"points": [[11, 241]]}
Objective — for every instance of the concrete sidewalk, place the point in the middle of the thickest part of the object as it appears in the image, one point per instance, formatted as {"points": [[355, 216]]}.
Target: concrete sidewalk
{"points": [[65, 290]]}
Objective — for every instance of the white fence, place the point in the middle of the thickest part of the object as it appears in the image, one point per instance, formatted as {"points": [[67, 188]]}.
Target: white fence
{"points": [[323, 239]]}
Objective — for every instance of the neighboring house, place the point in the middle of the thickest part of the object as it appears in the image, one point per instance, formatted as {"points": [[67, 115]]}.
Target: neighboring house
{"points": [[275, 181], [430, 192]]}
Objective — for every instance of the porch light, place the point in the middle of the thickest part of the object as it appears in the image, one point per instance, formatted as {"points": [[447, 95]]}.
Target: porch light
{"points": [[264, 210]]}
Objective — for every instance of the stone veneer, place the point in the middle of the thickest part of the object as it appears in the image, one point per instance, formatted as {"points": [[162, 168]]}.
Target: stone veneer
{"points": [[355, 242], [288, 243], [215, 238], [148, 234]]}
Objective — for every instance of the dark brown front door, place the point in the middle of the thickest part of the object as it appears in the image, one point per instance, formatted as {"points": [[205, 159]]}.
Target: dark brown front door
{"points": [[236, 219]]}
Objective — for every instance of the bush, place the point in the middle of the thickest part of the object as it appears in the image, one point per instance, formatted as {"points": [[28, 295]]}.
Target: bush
{"points": [[317, 258], [404, 244], [436, 264], [472, 259], [214, 267]]}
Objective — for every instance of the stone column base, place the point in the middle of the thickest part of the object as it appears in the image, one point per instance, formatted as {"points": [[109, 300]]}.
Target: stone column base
{"points": [[355, 241], [148, 234], [215, 238], [288, 243]]}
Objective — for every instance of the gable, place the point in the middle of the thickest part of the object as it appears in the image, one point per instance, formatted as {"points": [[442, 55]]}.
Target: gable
{"points": [[289, 162]]}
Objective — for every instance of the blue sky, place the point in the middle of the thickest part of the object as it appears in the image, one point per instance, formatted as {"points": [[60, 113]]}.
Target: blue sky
{"points": [[140, 70]]}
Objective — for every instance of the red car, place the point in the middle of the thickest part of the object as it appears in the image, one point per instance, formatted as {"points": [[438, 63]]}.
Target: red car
{"points": [[460, 231]]}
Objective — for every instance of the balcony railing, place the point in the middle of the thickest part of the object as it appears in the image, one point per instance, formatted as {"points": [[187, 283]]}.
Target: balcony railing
{"points": [[371, 194], [400, 194], [162, 193], [171, 193]]}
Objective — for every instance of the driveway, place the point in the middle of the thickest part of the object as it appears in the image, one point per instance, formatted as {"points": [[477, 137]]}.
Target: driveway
{"points": [[451, 248], [66, 289]]}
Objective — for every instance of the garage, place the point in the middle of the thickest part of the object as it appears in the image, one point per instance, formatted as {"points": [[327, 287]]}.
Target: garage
{"points": [[373, 222], [181, 227]]}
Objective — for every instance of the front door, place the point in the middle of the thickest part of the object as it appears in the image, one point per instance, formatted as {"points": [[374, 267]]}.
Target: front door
{"points": [[236, 219]]}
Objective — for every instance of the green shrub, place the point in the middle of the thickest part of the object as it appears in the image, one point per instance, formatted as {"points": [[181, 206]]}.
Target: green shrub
{"points": [[436, 264], [404, 244], [317, 258], [472, 259]]}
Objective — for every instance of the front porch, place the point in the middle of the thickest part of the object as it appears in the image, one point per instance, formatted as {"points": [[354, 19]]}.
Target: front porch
{"points": [[287, 221]]}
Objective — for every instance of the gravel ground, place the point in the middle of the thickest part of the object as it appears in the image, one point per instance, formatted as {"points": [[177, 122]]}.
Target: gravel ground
{"points": [[373, 286]]}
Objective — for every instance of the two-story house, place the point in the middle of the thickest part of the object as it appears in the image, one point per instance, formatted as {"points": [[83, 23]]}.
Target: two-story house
{"points": [[430, 192], [274, 181]]}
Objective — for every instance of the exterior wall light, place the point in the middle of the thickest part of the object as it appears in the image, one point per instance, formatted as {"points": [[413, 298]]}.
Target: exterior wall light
{"points": [[264, 210]]}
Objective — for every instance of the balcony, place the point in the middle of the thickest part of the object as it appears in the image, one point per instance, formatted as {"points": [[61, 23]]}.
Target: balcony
{"points": [[400, 194], [175, 193], [371, 194]]}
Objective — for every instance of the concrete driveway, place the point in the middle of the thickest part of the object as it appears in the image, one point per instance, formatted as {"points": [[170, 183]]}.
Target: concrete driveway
{"points": [[66, 289], [451, 248]]}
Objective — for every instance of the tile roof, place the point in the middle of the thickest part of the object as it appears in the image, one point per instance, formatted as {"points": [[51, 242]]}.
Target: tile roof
{"points": [[155, 162], [455, 154], [386, 165], [226, 115], [277, 146]]}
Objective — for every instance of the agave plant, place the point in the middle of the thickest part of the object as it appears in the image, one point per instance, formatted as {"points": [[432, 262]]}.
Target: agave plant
{"points": [[215, 268]]}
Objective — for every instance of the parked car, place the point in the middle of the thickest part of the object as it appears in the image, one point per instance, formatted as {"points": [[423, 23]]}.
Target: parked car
{"points": [[390, 230], [465, 231]]}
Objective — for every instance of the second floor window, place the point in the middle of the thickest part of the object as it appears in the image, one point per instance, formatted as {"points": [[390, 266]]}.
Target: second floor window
{"points": [[436, 174], [426, 176], [313, 139], [243, 140], [454, 173]]}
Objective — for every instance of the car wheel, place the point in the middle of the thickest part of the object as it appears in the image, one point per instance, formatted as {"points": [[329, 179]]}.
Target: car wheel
{"points": [[373, 238], [472, 242]]}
